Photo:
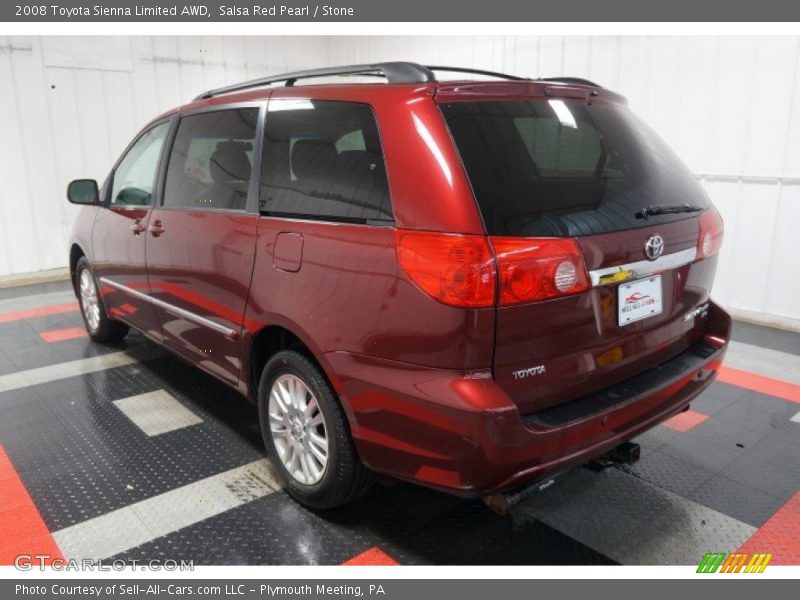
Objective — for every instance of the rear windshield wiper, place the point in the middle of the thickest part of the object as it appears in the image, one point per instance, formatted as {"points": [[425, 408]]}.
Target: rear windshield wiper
{"points": [[663, 209]]}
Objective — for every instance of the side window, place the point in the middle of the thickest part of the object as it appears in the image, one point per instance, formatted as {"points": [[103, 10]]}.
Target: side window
{"points": [[211, 160], [135, 175], [323, 159]]}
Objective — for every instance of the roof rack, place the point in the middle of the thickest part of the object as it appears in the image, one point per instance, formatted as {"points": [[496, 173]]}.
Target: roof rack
{"points": [[479, 72], [578, 80], [394, 72]]}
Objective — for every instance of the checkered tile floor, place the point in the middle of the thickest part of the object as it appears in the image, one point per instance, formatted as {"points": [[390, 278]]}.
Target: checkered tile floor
{"points": [[127, 452]]}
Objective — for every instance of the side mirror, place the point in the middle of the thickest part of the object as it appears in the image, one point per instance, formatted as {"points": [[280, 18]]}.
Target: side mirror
{"points": [[83, 191]]}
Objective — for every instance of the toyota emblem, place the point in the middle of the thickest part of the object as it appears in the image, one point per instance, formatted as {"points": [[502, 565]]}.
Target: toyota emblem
{"points": [[654, 247]]}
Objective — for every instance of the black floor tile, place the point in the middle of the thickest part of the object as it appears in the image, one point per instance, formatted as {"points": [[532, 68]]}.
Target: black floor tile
{"points": [[766, 337], [6, 364], [34, 289], [758, 412], [769, 477], [670, 473], [79, 456], [716, 397], [788, 433], [734, 436], [52, 322], [738, 500], [656, 437], [777, 450], [470, 534], [702, 451]]}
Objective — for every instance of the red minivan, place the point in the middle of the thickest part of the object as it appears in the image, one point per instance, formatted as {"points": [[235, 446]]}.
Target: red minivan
{"points": [[470, 284]]}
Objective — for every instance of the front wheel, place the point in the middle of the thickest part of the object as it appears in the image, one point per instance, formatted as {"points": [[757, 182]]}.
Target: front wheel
{"points": [[99, 327], [306, 434]]}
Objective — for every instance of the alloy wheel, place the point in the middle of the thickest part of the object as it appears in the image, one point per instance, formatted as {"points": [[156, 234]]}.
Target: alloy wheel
{"points": [[89, 301], [298, 429]]}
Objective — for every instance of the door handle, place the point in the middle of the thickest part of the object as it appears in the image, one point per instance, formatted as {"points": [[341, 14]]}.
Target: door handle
{"points": [[156, 229], [137, 228]]}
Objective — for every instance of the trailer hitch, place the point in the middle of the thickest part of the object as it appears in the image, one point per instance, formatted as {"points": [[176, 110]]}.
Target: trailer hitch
{"points": [[627, 453]]}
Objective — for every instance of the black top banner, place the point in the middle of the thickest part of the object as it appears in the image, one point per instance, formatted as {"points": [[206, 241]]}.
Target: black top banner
{"points": [[406, 10]]}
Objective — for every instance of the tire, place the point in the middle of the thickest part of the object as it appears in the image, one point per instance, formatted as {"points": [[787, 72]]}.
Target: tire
{"points": [[343, 478], [99, 327]]}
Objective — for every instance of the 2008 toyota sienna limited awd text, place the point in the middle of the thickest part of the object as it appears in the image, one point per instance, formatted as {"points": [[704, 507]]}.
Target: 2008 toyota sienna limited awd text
{"points": [[471, 284]]}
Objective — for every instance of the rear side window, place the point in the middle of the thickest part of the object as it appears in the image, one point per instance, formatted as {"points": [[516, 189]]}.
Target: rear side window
{"points": [[211, 160], [323, 160], [566, 168], [135, 174]]}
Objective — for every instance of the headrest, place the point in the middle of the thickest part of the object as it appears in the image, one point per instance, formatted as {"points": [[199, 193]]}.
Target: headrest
{"points": [[359, 162], [314, 158], [230, 162]]}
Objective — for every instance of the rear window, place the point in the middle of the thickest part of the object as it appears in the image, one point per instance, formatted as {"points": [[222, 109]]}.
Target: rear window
{"points": [[565, 167]]}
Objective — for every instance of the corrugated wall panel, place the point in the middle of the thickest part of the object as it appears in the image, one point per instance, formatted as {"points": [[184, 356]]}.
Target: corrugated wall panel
{"points": [[730, 106], [783, 289], [68, 152], [23, 237]]}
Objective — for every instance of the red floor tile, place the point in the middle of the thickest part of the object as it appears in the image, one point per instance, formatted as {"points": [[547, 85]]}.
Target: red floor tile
{"points": [[30, 313], [372, 557], [60, 335], [759, 383], [779, 536], [22, 530], [686, 420]]}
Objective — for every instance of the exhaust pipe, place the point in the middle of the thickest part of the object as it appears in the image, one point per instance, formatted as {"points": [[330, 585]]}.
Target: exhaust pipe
{"points": [[504, 502], [626, 453]]}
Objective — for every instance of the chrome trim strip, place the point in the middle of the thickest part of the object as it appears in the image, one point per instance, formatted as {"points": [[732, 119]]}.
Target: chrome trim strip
{"points": [[179, 312], [643, 268]]}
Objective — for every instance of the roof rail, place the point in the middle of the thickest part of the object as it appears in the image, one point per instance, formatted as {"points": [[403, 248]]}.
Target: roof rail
{"points": [[578, 80], [478, 72], [394, 72]]}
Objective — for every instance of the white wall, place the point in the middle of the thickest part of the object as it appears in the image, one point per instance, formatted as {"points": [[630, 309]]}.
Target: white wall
{"points": [[730, 106], [70, 105]]}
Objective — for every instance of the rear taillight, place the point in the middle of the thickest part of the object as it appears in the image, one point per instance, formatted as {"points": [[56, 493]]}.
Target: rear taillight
{"points": [[454, 269], [460, 270], [711, 229], [532, 269]]}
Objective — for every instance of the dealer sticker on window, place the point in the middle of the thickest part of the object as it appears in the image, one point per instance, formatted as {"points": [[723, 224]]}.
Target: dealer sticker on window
{"points": [[639, 299]]}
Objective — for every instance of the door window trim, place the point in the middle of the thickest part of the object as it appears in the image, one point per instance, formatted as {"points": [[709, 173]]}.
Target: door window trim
{"points": [[251, 206], [109, 184]]}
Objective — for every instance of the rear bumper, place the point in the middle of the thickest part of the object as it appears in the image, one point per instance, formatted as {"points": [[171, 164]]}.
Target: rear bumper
{"points": [[461, 433]]}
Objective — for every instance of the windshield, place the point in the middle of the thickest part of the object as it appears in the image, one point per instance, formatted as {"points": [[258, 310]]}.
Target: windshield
{"points": [[557, 167]]}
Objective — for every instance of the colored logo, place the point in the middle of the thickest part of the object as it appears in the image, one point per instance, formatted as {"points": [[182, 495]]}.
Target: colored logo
{"points": [[636, 301], [720, 562], [636, 297]]}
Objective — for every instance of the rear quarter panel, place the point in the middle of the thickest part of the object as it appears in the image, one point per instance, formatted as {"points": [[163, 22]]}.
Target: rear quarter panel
{"points": [[350, 295]]}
